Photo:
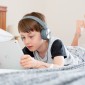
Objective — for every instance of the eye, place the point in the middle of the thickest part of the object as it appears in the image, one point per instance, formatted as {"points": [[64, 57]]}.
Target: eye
{"points": [[22, 38], [31, 36]]}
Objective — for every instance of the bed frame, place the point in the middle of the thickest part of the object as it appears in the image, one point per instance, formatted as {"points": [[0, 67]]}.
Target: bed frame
{"points": [[3, 10]]}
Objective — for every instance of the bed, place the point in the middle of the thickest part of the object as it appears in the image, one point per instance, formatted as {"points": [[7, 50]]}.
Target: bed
{"points": [[68, 75], [3, 10]]}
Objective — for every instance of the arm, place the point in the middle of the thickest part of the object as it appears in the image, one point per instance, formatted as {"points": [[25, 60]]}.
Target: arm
{"points": [[58, 54], [57, 51], [28, 62], [58, 61]]}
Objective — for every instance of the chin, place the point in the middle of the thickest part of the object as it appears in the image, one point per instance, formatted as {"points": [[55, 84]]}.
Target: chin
{"points": [[32, 50]]}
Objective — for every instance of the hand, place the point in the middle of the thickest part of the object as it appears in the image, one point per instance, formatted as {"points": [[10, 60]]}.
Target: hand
{"points": [[28, 62], [79, 24]]}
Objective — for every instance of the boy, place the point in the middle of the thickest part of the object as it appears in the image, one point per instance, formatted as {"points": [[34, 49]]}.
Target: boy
{"points": [[41, 50]]}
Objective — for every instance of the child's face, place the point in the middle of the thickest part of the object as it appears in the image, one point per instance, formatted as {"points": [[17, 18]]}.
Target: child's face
{"points": [[32, 40]]}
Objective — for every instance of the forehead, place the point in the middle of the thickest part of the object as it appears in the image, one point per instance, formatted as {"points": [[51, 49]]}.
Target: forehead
{"points": [[28, 33]]}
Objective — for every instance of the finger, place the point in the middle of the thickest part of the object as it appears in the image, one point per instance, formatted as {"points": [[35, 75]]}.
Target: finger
{"points": [[25, 56], [26, 65], [28, 59], [23, 61]]}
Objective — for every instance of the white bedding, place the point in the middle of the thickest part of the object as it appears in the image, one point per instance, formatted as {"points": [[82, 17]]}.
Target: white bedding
{"points": [[68, 75]]}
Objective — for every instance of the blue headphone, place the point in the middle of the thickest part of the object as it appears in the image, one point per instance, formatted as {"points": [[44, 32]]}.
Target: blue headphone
{"points": [[45, 32]]}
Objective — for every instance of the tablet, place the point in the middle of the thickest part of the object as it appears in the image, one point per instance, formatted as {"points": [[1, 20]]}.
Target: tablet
{"points": [[10, 55]]}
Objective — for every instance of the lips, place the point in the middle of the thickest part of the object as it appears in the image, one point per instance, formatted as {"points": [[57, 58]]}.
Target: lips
{"points": [[29, 47]]}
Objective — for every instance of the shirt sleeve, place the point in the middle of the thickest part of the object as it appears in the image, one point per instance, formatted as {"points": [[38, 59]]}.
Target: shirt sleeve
{"points": [[26, 51], [58, 49]]}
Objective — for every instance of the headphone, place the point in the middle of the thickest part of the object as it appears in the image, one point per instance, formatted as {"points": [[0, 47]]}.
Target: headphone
{"points": [[45, 32]]}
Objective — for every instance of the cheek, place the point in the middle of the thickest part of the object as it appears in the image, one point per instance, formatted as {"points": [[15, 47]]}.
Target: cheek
{"points": [[37, 41], [24, 42]]}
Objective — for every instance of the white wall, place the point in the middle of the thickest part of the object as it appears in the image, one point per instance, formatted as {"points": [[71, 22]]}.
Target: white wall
{"points": [[61, 15]]}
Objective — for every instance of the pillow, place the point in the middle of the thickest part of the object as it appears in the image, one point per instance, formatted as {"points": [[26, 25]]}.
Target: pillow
{"points": [[5, 36]]}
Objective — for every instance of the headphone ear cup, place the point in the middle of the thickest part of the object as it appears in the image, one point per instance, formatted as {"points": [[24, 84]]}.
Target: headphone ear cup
{"points": [[44, 34]]}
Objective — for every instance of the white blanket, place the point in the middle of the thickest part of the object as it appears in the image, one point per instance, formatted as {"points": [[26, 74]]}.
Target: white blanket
{"points": [[68, 75]]}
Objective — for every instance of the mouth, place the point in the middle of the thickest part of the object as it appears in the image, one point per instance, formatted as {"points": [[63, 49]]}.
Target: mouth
{"points": [[29, 47]]}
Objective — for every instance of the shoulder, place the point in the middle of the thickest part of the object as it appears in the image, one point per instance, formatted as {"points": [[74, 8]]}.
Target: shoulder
{"points": [[57, 48], [57, 43]]}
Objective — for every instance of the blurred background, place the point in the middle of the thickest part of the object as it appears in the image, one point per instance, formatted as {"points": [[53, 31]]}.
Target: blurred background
{"points": [[61, 15]]}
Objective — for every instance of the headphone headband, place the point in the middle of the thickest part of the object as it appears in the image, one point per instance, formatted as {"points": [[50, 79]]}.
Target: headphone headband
{"points": [[37, 20], [45, 33]]}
